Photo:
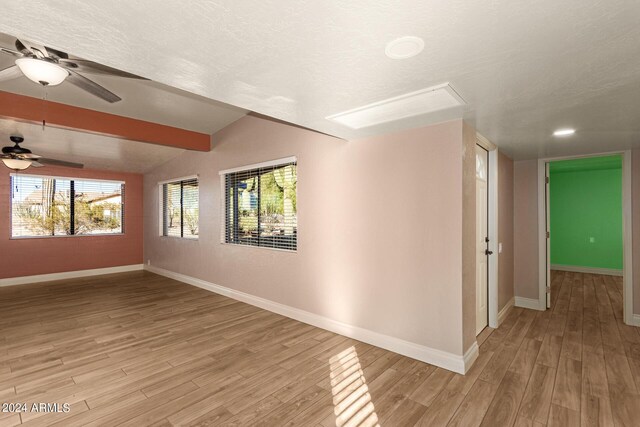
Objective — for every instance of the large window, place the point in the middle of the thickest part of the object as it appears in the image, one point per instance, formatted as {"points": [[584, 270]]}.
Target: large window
{"points": [[180, 208], [54, 206], [260, 205]]}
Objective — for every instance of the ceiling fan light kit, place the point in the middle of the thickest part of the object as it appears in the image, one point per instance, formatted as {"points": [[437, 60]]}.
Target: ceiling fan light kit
{"points": [[50, 67], [41, 71], [16, 164], [18, 158]]}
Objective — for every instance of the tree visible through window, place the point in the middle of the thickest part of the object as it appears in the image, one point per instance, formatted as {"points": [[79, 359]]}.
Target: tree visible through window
{"points": [[50, 206], [261, 207], [180, 209]]}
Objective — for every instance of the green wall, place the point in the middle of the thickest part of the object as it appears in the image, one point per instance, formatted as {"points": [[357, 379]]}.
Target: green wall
{"points": [[586, 212]]}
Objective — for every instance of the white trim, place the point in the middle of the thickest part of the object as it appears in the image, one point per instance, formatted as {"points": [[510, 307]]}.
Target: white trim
{"points": [[590, 270], [177, 180], [626, 227], [443, 359], [635, 320], [485, 143], [530, 303], [493, 219], [470, 357], [70, 178], [12, 281], [266, 164], [627, 224], [542, 238], [505, 310]]}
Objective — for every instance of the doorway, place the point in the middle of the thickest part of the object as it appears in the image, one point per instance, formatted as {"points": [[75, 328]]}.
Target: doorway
{"points": [[482, 238], [585, 221]]}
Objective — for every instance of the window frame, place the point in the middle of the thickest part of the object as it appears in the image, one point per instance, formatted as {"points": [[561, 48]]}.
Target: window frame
{"points": [[161, 213], [224, 200], [72, 215]]}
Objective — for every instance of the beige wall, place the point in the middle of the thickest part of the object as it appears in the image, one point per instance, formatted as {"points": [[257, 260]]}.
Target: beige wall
{"points": [[635, 207], [380, 228], [525, 228], [469, 235], [505, 230]]}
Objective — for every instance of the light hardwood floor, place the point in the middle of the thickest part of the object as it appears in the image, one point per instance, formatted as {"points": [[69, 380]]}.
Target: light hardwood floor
{"points": [[138, 349]]}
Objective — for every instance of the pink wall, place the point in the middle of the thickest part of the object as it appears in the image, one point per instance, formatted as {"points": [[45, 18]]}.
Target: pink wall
{"points": [[525, 225], [380, 228], [505, 230], [26, 257]]}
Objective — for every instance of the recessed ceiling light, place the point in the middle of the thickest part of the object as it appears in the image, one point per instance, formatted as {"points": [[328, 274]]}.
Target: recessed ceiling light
{"points": [[404, 47], [564, 132]]}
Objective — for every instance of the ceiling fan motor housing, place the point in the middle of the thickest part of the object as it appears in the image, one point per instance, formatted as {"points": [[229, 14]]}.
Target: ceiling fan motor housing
{"points": [[16, 149]]}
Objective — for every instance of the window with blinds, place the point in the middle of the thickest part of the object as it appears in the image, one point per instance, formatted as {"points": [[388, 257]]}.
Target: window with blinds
{"points": [[260, 206], [55, 206], [180, 208]]}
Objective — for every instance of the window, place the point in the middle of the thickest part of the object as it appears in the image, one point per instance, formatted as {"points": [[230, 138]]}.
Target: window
{"points": [[260, 205], [180, 208], [54, 206]]}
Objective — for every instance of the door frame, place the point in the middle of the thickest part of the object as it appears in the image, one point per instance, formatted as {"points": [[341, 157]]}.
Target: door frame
{"points": [[627, 234], [492, 227]]}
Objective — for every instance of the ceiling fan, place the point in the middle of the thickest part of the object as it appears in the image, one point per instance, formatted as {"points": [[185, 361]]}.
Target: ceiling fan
{"points": [[19, 158], [50, 67]]}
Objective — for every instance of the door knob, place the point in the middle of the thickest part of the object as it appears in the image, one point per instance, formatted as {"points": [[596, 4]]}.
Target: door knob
{"points": [[488, 252]]}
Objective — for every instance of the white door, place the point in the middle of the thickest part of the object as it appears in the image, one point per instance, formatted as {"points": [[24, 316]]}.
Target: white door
{"points": [[482, 311]]}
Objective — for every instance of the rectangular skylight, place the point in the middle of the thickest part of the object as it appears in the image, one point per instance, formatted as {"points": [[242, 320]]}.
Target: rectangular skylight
{"points": [[429, 100]]}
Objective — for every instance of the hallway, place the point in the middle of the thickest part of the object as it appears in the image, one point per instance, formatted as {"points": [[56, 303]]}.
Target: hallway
{"points": [[575, 364]]}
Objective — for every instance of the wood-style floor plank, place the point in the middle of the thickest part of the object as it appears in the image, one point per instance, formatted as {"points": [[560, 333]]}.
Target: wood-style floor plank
{"points": [[137, 349]]}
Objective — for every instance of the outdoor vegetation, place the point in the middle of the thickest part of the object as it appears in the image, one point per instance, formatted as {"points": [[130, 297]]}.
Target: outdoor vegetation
{"points": [[47, 210]]}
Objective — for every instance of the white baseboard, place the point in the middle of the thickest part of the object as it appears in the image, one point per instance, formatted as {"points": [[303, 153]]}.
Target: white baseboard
{"points": [[589, 270], [505, 310], [530, 303], [443, 359], [635, 320], [12, 281]]}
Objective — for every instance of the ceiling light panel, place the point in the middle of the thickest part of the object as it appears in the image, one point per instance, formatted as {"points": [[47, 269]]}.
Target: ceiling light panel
{"points": [[429, 100]]}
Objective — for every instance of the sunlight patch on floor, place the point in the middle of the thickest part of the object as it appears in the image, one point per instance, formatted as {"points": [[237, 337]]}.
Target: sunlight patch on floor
{"points": [[351, 398]]}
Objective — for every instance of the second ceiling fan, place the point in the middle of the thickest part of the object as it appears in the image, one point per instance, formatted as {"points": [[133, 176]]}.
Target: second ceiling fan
{"points": [[50, 67]]}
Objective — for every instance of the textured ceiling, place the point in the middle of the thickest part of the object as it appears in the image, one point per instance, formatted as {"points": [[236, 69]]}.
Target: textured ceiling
{"points": [[524, 68], [94, 151], [143, 100]]}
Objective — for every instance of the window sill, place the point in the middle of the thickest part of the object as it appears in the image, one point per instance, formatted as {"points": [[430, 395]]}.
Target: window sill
{"points": [[64, 236], [179, 238], [239, 245]]}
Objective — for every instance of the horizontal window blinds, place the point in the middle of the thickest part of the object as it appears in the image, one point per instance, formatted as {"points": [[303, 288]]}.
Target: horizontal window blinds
{"points": [[180, 209], [261, 207], [50, 206]]}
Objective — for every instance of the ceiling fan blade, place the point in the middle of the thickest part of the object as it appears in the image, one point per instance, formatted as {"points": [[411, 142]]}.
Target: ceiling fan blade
{"points": [[56, 53], [29, 48], [36, 164], [54, 162], [11, 52], [91, 67], [28, 156], [22, 48], [9, 73], [92, 87]]}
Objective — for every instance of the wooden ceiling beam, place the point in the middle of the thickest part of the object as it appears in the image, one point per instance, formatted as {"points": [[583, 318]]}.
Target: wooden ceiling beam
{"points": [[28, 109]]}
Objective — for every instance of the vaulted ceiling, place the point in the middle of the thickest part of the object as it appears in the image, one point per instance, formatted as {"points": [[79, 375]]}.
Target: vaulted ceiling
{"points": [[524, 68]]}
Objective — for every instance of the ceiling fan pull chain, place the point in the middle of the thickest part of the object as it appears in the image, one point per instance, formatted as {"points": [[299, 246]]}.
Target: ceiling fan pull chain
{"points": [[44, 107]]}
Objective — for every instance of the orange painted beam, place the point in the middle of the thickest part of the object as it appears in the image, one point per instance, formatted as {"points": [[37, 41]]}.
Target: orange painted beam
{"points": [[28, 109]]}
